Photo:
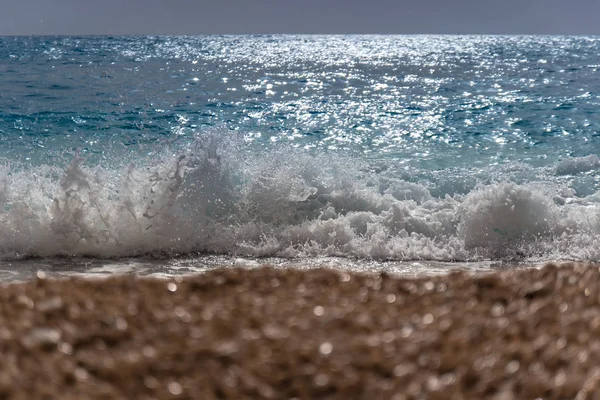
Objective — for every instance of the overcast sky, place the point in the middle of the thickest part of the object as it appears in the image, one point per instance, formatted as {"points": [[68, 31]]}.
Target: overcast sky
{"points": [[124, 17]]}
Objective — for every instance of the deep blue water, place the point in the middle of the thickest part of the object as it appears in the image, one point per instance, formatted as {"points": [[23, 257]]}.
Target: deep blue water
{"points": [[449, 148]]}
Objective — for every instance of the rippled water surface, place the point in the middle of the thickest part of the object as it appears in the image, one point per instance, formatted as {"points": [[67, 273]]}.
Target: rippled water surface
{"points": [[425, 100]]}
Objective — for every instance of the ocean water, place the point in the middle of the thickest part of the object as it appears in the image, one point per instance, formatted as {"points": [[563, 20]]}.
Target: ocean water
{"points": [[413, 154]]}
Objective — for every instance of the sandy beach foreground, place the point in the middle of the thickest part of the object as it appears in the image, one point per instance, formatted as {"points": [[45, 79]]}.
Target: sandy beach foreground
{"points": [[306, 334]]}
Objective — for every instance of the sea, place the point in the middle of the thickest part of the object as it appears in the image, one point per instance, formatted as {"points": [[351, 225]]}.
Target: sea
{"points": [[172, 155]]}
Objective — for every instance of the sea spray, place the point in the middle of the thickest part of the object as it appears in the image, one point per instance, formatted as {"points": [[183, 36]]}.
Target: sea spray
{"points": [[220, 196], [507, 219]]}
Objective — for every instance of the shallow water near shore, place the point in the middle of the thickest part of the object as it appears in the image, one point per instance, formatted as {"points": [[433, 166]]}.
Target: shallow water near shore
{"points": [[27, 269]]}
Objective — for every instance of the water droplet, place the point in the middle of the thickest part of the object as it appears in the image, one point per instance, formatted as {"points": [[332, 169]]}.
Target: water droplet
{"points": [[319, 311]]}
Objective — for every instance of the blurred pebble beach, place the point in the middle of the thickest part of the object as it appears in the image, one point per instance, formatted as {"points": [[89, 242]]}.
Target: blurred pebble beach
{"points": [[275, 333]]}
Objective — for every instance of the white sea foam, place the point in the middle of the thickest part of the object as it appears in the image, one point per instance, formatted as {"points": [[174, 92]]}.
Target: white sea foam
{"points": [[575, 165], [219, 197]]}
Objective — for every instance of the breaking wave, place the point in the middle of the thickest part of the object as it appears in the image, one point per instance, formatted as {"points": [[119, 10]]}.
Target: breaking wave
{"points": [[220, 196]]}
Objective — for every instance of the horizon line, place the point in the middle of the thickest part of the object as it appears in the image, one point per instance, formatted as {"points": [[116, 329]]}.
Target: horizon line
{"points": [[292, 34]]}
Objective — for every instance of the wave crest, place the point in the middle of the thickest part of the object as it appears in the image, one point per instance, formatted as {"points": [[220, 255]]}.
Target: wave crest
{"points": [[219, 196]]}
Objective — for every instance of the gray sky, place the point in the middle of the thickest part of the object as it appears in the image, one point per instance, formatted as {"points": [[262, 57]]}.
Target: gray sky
{"points": [[122, 17]]}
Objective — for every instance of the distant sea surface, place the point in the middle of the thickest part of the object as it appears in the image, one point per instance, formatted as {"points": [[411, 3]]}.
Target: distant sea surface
{"points": [[412, 153]]}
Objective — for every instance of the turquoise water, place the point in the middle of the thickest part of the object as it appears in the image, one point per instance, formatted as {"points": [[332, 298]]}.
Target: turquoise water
{"points": [[401, 148]]}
